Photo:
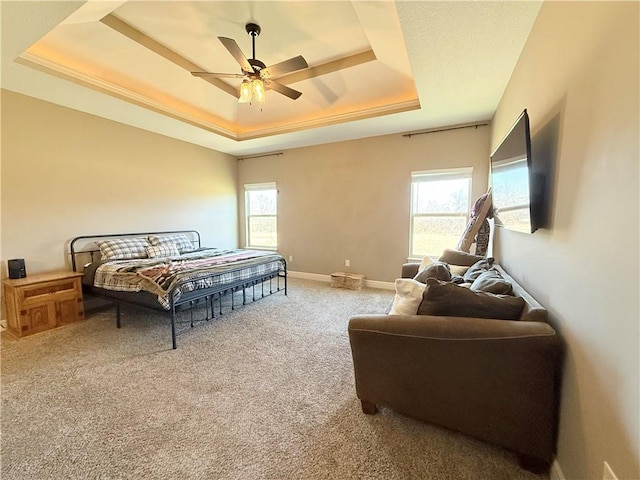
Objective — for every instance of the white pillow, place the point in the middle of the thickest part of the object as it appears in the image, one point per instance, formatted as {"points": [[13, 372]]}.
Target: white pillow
{"points": [[426, 261], [408, 297]]}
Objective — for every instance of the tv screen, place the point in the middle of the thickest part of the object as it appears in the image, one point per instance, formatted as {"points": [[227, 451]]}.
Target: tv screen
{"points": [[512, 181]]}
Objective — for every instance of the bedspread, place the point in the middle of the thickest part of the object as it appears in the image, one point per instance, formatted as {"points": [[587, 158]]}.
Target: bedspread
{"points": [[203, 268]]}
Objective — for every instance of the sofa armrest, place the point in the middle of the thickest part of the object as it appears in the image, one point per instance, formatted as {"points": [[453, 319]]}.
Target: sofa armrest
{"points": [[492, 379], [410, 270]]}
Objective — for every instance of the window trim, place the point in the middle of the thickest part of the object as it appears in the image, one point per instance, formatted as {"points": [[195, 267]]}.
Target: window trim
{"points": [[426, 176], [257, 187]]}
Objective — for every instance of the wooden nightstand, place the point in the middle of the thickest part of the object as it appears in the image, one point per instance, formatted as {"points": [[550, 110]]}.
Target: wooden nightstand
{"points": [[41, 302]]}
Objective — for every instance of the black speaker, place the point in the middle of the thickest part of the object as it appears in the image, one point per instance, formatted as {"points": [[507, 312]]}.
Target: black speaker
{"points": [[17, 268]]}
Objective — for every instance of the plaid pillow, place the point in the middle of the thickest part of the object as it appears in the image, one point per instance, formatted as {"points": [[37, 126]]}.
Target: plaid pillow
{"points": [[163, 250], [180, 240], [123, 248]]}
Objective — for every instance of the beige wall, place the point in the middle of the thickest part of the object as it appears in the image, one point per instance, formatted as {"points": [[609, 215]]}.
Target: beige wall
{"points": [[578, 77], [67, 173], [350, 200]]}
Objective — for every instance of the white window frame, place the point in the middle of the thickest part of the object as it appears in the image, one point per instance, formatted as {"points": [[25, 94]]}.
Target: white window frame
{"points": [[434, 176], [255, 187]]}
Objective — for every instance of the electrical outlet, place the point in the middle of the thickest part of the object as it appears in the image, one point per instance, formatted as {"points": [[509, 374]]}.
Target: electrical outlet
{"points": [[347, 263], [291, 258], [607, 473]]}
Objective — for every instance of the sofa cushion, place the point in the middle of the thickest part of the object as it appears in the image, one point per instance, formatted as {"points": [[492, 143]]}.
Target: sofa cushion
{"points": [[491, 281], [408, 296], [457, 257], [437, 270], [447, 299]]}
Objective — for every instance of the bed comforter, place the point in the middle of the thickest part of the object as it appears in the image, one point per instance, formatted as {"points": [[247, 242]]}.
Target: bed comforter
{"points": [[203, 268]]}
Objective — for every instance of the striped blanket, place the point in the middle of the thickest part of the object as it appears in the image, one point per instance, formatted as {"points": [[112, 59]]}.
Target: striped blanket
{"points": [[203, 268]]}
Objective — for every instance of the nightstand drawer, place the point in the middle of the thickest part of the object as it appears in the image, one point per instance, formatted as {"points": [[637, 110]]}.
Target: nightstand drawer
{"points": [[41, 291]]}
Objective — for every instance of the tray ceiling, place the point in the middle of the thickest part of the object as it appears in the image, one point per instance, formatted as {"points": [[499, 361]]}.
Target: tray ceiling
{"points": [[375, 67], [144, 51]]}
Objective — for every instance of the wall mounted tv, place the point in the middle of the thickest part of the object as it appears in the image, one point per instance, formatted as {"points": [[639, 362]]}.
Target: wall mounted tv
{"points": [[516, 190]]}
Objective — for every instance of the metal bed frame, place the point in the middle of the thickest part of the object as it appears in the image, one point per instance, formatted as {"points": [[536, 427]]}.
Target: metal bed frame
{"points": [[190, 299]]}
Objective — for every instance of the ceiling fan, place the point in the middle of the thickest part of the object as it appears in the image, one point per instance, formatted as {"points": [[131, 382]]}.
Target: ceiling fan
{"points": [[256, 76]]}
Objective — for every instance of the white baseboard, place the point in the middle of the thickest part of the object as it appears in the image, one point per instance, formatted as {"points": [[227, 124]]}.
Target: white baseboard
{"points": [[556, 472], [310, 276], [327, 279], [379, 284]]}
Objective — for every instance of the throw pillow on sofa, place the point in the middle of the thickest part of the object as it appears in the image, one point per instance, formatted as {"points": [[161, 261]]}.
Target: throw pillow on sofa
{"points": [[492, 282], [408, 296], [437, 270], [447, 299], [426, 261]]}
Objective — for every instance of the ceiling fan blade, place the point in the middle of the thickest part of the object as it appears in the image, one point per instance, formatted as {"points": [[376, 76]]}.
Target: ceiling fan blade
{"points": [[328, 67], [233, 48], [291, 65], [217, 75], [283, 89]]}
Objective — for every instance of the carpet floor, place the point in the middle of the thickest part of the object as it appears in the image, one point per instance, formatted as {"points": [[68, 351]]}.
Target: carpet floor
{"points": [[265, 391]]}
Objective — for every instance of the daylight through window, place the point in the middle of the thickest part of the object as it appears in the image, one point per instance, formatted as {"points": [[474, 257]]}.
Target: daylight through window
{"points": [[439, 210], [261, 209]]}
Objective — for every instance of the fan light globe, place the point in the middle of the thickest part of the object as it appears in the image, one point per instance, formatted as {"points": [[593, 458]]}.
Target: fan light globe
{"points": [[245, 92], [258, 91]]}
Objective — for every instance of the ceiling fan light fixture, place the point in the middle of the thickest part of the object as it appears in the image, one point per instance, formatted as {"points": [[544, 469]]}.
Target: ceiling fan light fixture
{"points": [[258, 91], [245, 92]]}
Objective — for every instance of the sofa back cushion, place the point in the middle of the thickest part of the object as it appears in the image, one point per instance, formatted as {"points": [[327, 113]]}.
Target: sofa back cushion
{"points": [[457, 257], [447, 299]]}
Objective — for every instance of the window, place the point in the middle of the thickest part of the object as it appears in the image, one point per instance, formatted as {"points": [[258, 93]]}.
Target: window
{"points": [[439, 210], [261, 210]]}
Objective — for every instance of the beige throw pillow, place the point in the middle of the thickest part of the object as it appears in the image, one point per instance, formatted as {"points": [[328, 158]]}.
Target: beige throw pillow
{"points": [[426, 261], [408, 297]]}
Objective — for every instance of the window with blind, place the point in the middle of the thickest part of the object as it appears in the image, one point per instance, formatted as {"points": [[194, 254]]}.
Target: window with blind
{"points": [[261, 214], [439, 210]]}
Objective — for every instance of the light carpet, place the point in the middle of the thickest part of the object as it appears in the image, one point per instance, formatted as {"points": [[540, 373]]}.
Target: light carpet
{"points": [[264, 392]]}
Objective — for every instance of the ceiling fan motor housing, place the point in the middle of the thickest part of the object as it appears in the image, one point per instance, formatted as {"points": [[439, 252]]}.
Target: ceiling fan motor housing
{"points": [[256, 64]]}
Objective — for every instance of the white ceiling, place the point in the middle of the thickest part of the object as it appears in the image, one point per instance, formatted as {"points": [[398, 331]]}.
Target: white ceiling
{"points": [[436, 64]]}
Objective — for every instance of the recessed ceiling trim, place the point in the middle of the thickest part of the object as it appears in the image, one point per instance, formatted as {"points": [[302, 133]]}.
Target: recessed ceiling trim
{"points": [[140, 38], [40, 63], [35, 61], [332, 120]]}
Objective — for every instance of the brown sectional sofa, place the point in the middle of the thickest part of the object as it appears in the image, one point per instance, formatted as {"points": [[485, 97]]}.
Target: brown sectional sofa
{"points": [[492, 379]]}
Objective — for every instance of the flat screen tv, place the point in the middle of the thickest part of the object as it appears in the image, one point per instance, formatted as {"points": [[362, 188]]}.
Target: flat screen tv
{"points": [[514, 186]]}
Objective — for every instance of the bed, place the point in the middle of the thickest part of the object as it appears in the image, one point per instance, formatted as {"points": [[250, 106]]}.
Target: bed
{"points": [[170, 272]]}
